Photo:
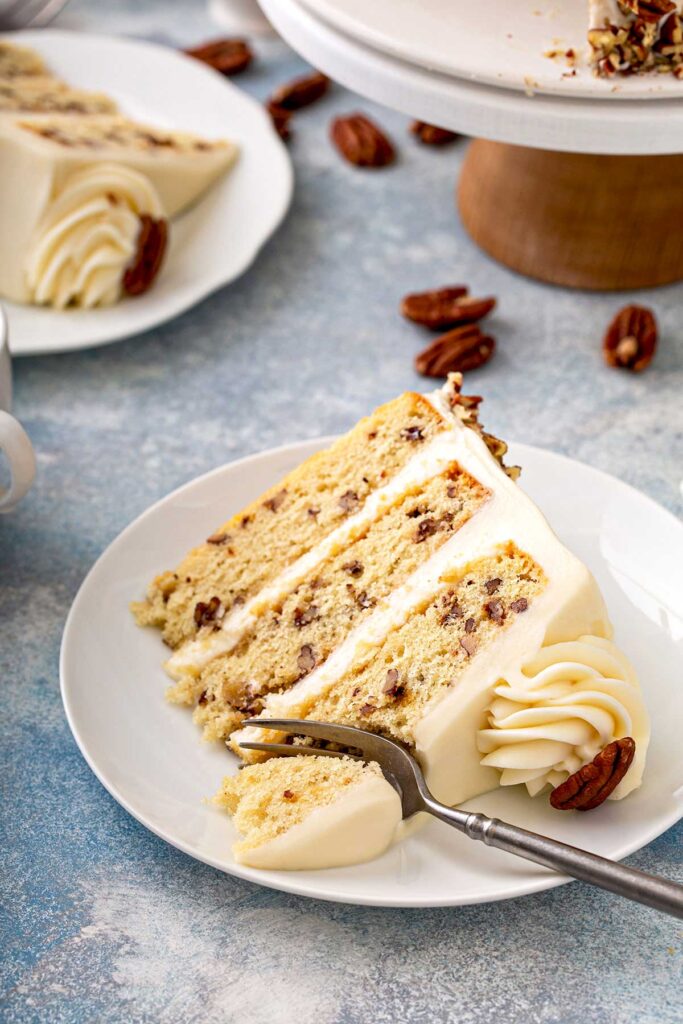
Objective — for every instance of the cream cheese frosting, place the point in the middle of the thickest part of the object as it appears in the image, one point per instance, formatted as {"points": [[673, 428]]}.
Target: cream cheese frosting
{"points": [[562, 709], [88, 236], [360, 825]]}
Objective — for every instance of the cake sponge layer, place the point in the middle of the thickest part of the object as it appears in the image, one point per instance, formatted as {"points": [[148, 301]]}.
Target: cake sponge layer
{"points": [[389, 690], [250, 550], [299, 631]]}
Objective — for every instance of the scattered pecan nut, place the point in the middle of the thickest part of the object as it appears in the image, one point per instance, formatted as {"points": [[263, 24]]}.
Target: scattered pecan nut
{"points": [[301, 92], [445, 307], [228, 56], [462, 349], [280, 118], [631, 339], [361, 142], [146, 264], [431, 135], [592, 784]]}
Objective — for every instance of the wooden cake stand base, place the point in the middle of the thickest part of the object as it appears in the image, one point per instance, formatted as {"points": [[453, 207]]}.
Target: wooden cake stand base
{"points": [[582, 221]]}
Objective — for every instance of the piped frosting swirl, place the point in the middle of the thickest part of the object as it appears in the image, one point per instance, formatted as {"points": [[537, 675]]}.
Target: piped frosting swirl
{"points": [[88, 237], [560, 710]]}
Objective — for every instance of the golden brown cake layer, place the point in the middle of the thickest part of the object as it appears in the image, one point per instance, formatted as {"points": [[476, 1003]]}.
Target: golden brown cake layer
{"points": [[252, 548], [300, 631]]}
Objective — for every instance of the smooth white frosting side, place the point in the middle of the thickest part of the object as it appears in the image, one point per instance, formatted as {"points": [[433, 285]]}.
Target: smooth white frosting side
{"points": [[562, 709], [88, 236], [360, 825]]}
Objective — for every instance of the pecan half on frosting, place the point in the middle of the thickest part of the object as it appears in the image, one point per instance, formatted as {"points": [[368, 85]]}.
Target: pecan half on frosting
{"points": [[631, 339], [445, 307], [228, 56], [459, 350], [592, 784], [149, 256], [361, 142]]}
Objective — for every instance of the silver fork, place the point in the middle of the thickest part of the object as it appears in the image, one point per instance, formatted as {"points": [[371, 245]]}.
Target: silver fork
{"points": [[405, 774]]}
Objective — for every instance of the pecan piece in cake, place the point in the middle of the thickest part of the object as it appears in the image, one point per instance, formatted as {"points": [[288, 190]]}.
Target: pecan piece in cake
{"points": [[495, 610], [276, 501], [431, 134], [469, 645], [354, 568], [228, 56], [301, 92], [208, 612], [631, 339], [304, 616], [349, 501], [149, 256], [491, 586], [307, 660], [520, 605], [414, 433], [592, 784], [445, 307], [462, 349], [361, 142], [392, 687]]}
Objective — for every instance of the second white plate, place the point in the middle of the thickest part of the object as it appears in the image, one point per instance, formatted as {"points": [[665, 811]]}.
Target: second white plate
{"points": [[210, 244], [150, 757]]}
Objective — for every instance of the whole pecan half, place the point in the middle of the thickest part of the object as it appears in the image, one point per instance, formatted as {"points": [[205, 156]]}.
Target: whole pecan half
{"points": [[631, 339], [460, 350], [229, 56], [149, 256], [280, 118], [431, 135], [301, 92], [445, 307], [594, 782], [361, 142]]}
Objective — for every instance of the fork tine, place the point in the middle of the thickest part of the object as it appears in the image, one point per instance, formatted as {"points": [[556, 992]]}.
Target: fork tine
{"points": [[290, 751], [345, 735]]}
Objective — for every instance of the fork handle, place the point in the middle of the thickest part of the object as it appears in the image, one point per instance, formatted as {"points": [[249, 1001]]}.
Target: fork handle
{"points": [[636, 885]]}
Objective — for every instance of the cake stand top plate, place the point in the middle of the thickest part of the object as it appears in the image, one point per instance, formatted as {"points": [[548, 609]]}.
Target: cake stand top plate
{"points": [[493, 42], [606, 123]]}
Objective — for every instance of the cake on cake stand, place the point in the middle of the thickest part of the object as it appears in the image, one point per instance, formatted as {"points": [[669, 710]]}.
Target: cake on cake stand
{"points": [[570, 179]]}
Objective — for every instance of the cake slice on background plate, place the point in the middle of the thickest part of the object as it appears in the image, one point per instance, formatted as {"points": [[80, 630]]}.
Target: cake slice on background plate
{"points": [[42, 94], [85, 203], [402, 582]]}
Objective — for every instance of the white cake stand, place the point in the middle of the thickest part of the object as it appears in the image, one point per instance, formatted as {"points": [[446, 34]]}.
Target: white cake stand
{"points": [[570, 180]]}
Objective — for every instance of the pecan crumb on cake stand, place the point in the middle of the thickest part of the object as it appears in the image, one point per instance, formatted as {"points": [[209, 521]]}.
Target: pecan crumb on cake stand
{"points": [[574, 178]]}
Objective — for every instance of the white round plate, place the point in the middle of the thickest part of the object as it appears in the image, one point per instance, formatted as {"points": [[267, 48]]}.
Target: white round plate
{"points": [[150, 757], [495, 42], [559, 120], [210, 244]]}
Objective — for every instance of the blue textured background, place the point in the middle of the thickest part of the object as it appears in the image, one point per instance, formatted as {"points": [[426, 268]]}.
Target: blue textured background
{"points": [[102, 922]]}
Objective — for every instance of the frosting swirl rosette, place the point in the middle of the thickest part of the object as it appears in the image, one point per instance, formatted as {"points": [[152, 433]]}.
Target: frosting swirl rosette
{"points": [[88, 236], [560, 710]]}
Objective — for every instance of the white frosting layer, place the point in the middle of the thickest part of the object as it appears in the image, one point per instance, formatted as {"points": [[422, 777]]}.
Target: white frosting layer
{"points": [[562, 709], [358, 826], [88, 237]]}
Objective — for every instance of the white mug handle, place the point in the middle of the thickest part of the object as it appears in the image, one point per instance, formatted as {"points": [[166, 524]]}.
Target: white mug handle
{"points": [[16, 447]]}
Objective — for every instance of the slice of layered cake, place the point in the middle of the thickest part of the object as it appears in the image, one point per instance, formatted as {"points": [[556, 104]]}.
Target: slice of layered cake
{"points": [[402, 582], [85, 202], [41, 94], [636, 36]]}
